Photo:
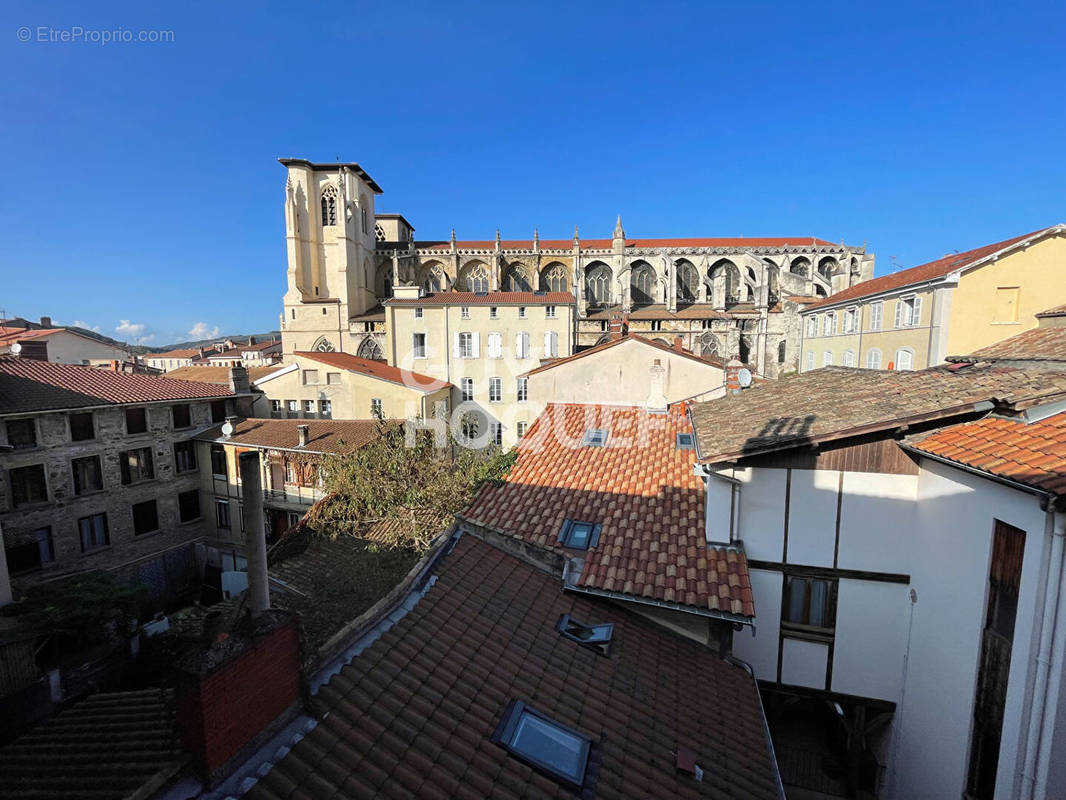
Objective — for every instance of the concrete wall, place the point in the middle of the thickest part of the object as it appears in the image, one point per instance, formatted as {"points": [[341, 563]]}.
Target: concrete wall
{"points": [[622, 375]]}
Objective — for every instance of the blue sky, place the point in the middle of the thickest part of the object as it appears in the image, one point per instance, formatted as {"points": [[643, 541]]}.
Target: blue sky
{"points": [[142, 187]]}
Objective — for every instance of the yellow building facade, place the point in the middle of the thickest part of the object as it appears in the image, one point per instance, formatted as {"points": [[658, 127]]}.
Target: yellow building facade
{"points": [[952, 306]]}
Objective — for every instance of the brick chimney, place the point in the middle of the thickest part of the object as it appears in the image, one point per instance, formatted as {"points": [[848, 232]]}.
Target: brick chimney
{"points": [[677, 344], [732, 375], [46, 322], [305, 433]]}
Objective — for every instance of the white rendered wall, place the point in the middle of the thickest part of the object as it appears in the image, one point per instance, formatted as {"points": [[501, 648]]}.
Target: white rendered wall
{"points": [[803, 663], [871, 637], [877, 522], [762, 514], [949, 569], [760, 649], [812, 513]]}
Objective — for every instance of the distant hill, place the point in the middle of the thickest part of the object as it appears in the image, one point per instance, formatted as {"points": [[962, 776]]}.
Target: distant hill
{"points": [[237, 337]]}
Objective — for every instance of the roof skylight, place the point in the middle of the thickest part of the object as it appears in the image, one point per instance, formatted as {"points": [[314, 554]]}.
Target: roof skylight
{"points": [[579, 535], [544, 744], [595, 637], [594, 437], [685, 441]]}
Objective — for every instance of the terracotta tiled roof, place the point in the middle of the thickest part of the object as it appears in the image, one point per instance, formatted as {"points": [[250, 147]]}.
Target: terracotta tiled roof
{"points": [[639, 487], [218, 375], [1057, 311], [377, 369], [729, 243], [8, 335], [413, 715], [835, 402], [1033, 453], [29, 385], [324, 435], [375, 314], [708, 361], [109, 745], [1037, 344], [487, 299], [187, 352], [926, 272]]}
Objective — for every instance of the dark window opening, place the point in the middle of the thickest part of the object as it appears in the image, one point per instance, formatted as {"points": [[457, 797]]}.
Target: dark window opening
{"points": [[182, 416], [81, 427], [218, 460], [184, 456], [32, 554], [136, 420], [544, 744], [218, 410], [189, 505], [87, 474], [809, 605], [145, 517], [685, 441], [136, 465], [28, 485], [93, 532], [222, 514], [21, 434], [595, 637], [579, 535]]}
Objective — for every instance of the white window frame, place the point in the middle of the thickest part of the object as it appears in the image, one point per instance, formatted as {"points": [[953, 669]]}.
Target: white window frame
{"points": [[495, 390], [464, 312], [466, 389], [827, 358], [848, 359], [522, 345], [870, 358], [549, 312], [520, 429], [494, 345], [493, 313], [419, 351], [419, 312], [521, 312], [496, 433], [812, 326], [909, 353], [810, 360], [375, 407], [522, 390], [851, 316], [877, 314], [551, 344]]}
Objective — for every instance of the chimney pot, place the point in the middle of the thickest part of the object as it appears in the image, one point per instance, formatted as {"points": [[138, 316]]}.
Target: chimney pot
{"points": [[238, 380], [305, 432]]}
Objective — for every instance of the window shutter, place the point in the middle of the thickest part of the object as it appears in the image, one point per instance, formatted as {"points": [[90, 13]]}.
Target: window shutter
{"points": [[916, 317], [549, 344], [476, 339], [594, 539], [456, 351]]}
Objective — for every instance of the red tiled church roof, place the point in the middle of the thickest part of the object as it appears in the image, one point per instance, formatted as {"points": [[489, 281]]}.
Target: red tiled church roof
{"points": [[30, 385], [640, 487], [376, 369], [414, 714], [924, 272], [1033, 453]]}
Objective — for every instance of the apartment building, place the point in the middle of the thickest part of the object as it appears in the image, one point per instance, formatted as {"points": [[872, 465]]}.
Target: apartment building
{"points": [[324, 385], [957, 304], [175, 359], [903, 536], [483, 344], [58, 345], [98, 470]]}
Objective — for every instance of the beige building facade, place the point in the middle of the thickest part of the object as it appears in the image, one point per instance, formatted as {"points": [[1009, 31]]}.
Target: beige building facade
{"points": [[952, 306], [723, 296], [342, 386]]}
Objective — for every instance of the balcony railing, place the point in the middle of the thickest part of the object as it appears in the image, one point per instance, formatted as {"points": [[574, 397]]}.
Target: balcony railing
{"points": [[303, 496]]}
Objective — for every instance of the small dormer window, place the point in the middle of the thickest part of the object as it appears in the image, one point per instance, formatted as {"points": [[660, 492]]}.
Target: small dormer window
{"points": [[685, 441], [594, 437], [543, 743], [578, 535], [595, 637]]}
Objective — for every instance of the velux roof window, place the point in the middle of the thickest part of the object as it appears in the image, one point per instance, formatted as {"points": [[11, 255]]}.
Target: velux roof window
{"points": [[685, 441], [579, 535], [595, 637], [544, 744], [594, 437]]}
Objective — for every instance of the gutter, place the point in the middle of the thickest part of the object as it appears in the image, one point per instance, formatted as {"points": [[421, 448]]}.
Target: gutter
{"points": [[726, 616], [744, 665]]}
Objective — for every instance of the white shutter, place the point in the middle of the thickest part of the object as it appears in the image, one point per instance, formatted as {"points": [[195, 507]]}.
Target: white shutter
{"points": [[549, 344], [494, 345], [899, 312], [475, 339], [522, 345], [916, 316], [457, 351]]}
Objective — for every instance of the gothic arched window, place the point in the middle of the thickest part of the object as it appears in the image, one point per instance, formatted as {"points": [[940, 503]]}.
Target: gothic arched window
{"points": [[828, 267], [516, 279], [554, 279], [475, 279], [688, 282], [329, 205], [369, 348], [725, 275], [642, 284], [323, 345], [436, 280], [598, 285], [384, 281], [708, 345], [800, 266]]}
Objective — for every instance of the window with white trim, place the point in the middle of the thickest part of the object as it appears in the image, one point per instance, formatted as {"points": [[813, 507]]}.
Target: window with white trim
{"points": [[521, 312], [549, 312], [810, 359], [492, 313], [495, 390], [375, 408], [873, 359], [827, 358], [850, 317], [812, 325], [522, 345], [904, 359], [520, 428], [522, 390], [909, 311], [496, 432], [325, 408], [418, 345], [829, 323], [464, 312], [419, 312], [466, 345], [849, 358], [494, 345], [877, 311], [466, 388], [551, 344]]}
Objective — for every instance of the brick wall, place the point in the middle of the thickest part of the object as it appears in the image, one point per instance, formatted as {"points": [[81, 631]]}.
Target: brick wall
{"points": [[223, 710]]}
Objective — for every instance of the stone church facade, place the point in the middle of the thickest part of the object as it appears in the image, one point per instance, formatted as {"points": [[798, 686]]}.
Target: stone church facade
{"points": [[722, 296]]}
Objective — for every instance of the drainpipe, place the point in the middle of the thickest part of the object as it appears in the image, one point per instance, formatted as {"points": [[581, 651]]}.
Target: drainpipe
{"points": [[255, 533], [1046, 684]]}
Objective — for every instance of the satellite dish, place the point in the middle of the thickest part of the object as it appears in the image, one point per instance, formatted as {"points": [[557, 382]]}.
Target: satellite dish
{"points": [[744, 377], [227, 429], [16, 348]]}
